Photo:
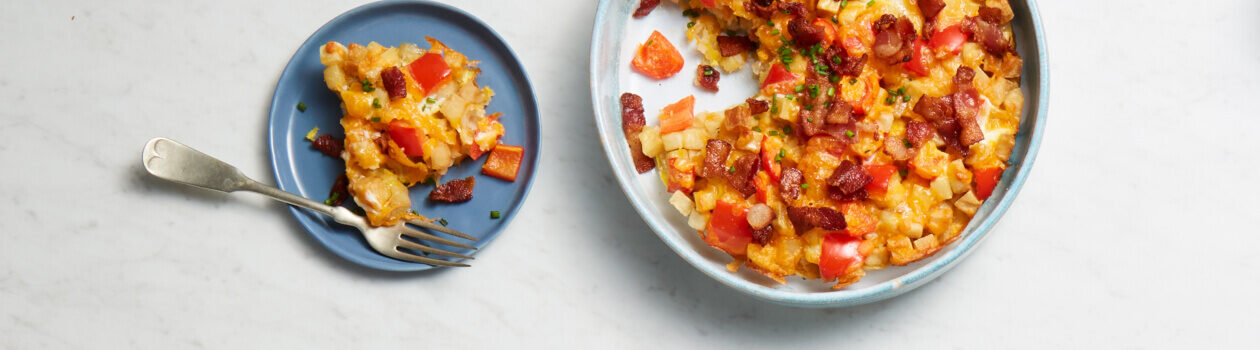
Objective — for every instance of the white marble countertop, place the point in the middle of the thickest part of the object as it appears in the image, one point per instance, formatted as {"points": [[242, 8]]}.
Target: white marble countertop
{"points": [[1134, 230]]}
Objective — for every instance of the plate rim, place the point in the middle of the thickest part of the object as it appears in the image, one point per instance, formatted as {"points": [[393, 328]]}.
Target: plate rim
{"points": [[836, 298], [529, 97]]}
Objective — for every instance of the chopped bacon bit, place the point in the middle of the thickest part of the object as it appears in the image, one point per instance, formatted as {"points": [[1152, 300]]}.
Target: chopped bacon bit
{"points": [[930, 8], [646, 7], [395, 84], [992, 15], [756, 106], [986, 30], [837, 195], [454, 191], [790, 183], [707, 77], [715, 153], [935, 109], [796, 9], [966, 108], [734, 45], [761, 8], [763, 235], [328, 145], [918, 132], [339, 191], [849, 177], [806, 34], [843, 64], [841, 112], [894, 39], [963, 77], [805, 218], [632, 123], [841, 132], [896, 148], [746, 168]]}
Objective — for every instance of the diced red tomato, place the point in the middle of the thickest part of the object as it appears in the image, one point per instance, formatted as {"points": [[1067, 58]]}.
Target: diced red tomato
{"points": [[770, 149], [881, 173], [728, 228], [657, 58], [840, 254], [951, 39], [708, 3], [407, 137], [430, 71], [778, 74], [920, 59], [678, 116], [762, 182], [682, 175], [504, 162], [986, 179]]}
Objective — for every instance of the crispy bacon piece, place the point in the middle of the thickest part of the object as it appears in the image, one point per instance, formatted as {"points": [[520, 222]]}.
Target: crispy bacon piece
{"points": [[756, 106], [894, 39], [339, 191], [805, 34], [707, 77], [849, 177], [746, 168], [715, 153], [795, 9], [646, 7], [837, 195], [896, 148], [966, 108], [805, 218], [454, 191], [963, 77], [632, 123], [328, 145], [841, 132], [734, 45], [761, 8], [840, 112], [395, 84], [930, 8], [986, 29], [843, 64], [790, 183], [763, 235], [918, 132], [935, 109]]}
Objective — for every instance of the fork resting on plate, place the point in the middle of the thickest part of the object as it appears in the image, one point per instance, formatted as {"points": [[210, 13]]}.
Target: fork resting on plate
{"points": [[176, 162]]}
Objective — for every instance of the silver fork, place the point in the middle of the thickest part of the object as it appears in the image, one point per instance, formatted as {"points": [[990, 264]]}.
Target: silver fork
{"points": [[176, 162]]}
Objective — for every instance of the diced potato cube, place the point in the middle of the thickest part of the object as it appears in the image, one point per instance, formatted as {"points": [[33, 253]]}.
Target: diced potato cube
{"points": [[959, 177], [930, 162], [968, 203], [925, 243], [750, 141], [694, 139], [712, 123], [672, 141], [697, 220], [911, 229], [705, 200], [939, 218], [681, 202], [941, 188], [650, 137], [829, 6], [887, 221]]}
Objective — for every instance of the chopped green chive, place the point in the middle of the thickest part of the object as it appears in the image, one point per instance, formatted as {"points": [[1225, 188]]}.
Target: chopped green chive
{"points": [[901, 91], [757, 128], [301, 107], [907, 143], [903, 172], [800, 88], [376, 119], [804, 186], [366, 85], [648, 43], [787, 59], [769, 23], [835, 19], [691, 13], [708, 70], [413, 212], [774, 32], [790, 97], [774, 133], [811, 120], [831, 91], [774, 109], [332, 199], [430, 100], [852, 81], [443, 222], [813, 91], [310, 135], [808, 107], [376, 103], [834, 79], [691, 24], [869, 3], [849, 133], [787, 129], [844, 3], [782, 153], [731, 169], [888, 100], [494, 214], [905, 98], [785, 11]]}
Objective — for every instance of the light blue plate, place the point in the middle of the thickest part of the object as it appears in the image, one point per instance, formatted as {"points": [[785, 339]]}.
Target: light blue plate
{"points": [[302, 170], [612, 46]]}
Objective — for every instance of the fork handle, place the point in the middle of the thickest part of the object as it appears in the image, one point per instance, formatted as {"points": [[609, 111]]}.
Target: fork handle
{"points": [[339, 214]]}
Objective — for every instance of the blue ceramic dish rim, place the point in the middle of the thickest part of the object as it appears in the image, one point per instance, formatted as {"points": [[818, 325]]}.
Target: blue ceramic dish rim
{"points": [[290, 184], [840, 298]]}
